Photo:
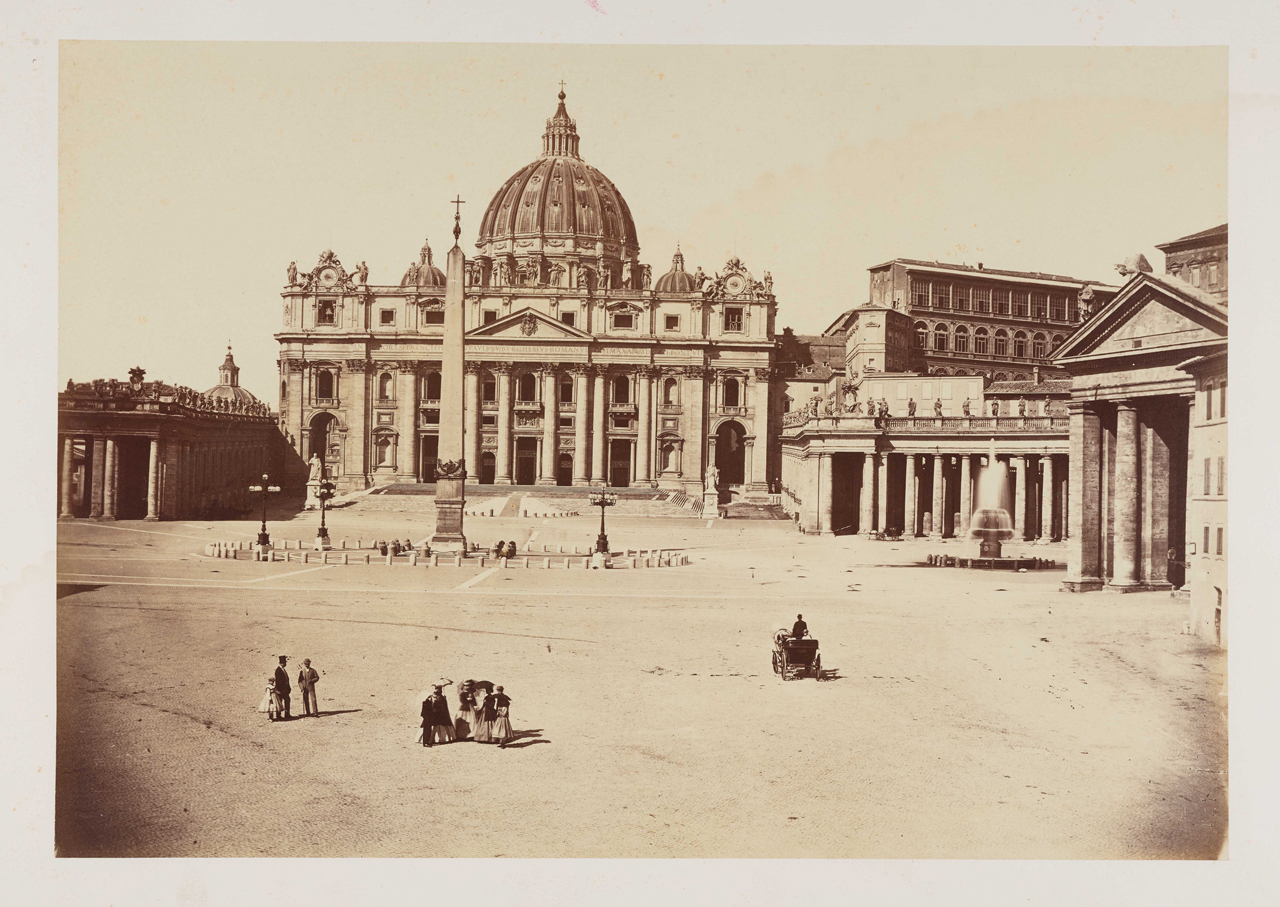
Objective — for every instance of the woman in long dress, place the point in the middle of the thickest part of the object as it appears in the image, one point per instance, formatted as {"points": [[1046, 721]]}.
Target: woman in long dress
{"points": [[465, 720], [501, 722], [271, 702], [484, 721]]}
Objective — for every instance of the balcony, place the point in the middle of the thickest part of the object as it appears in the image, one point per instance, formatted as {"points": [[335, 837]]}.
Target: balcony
{"points": [[628, 409], [669, 409], [733, 410], [978, 425]]}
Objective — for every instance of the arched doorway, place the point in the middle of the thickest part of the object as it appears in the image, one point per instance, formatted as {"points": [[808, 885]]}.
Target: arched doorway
{"points": [[324, 440], [488, 468], [564, 469], [429, 447], [731, 453]]}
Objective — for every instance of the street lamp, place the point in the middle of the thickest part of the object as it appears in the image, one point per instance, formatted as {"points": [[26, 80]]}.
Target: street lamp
{"points": [[602, 499], [264, 489], [324, 494]]}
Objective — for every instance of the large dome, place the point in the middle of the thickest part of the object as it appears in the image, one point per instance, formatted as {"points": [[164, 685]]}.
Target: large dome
{"points": [[559, 207]]}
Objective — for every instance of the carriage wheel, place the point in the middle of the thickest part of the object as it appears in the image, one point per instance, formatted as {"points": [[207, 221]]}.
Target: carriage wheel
{"points": [[784, 666], [777, 668], [817, 667]]}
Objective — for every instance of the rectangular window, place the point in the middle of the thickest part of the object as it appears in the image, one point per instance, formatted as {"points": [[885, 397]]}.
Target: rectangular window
{"points": [[388, 316], [1208, 473], [326, 313], [623, 422], [1208, 402], [960, 299], [490, 316], [489, 419], [566, 422], [1021, 307], [1222, 475], [490, 391], [431, 417], [1222, 399], [982, 299], [942, 295], [1220, 533], [1073, 309], [566, 391], [433, 317], [1205, 548], [1058, 308], [920, 293], [1039, 305], [1000, 299], [733, 320], [671, 322], [568, 318], [1195, 276], [624, 321], [1213, 275]]}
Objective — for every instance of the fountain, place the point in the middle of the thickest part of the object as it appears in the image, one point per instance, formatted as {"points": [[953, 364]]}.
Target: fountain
{"points": [[992, 524]]}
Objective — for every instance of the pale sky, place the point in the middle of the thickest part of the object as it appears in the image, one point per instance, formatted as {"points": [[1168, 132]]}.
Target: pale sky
{"points": [[191, 174]]}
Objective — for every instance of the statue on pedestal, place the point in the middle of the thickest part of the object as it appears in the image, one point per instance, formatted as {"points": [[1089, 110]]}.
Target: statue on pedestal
{"points": [[911, 406], [1022, 406], [937, 408], [292, 272], [964, 407], [317, 468], [713, 477], [995, 407]]}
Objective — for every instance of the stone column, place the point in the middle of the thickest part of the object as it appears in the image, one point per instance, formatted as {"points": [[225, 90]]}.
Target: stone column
{"points": [[153, 481], [98, 481], [760, 423], [1046, 500], [824, 494], [471, 430], [909, 499], [936, 517], [68, 457], [109, 485], [1019, 498], [695, 426], [502, 456], [1084, 553], [1124, 574], [866, 496], [407, 419], [644, 426], [882, 491], [966, 495], [580, 416], [550, 427], [598, 439]]}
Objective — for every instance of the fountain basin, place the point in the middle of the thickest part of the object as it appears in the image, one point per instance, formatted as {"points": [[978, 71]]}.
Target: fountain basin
{"points": [[992, 563]]}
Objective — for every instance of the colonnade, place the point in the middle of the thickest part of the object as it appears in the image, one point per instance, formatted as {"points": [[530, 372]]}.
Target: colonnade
{"points": [[935, 495]]}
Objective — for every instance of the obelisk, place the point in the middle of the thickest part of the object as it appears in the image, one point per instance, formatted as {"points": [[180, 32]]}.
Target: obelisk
{"points": [[451, 467]]}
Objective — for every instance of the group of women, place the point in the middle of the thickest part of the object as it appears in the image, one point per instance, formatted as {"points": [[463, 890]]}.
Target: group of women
{"points": [[483, 715]]}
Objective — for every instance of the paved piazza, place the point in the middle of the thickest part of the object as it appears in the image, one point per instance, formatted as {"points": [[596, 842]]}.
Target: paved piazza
{"points": [[966, 714]]}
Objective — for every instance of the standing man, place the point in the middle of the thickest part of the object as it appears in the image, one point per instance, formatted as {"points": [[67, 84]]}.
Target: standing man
{"points": [[799, 630], [282, 683], [307, 678]]}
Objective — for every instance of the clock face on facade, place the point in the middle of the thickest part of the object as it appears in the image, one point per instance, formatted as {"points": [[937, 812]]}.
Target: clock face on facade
{"points": [[735, 284], [328, 277]]}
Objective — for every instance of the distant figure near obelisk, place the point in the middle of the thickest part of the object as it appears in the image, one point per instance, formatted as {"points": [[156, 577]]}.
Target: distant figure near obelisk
{"points": [[451, 468]]}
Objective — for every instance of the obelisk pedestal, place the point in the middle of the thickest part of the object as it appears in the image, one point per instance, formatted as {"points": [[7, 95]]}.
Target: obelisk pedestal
{"points": [[451, 466]]}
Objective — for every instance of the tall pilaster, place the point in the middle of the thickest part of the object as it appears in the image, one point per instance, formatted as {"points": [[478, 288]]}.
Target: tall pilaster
{"points": [[966, 495], [1019, 498], [937, 519], [824, 494], [472, 429], [695, 426], [98, 481], [153, 481], [882, 492], [1046, 499], [109, 485], [407, 421], [909, 493], [866, 495], [580, 417], [502, 456], [550, 427], [1084, 508], [68, 456], [1124, 573], [760, 426], [597, 428], [644, 425]]}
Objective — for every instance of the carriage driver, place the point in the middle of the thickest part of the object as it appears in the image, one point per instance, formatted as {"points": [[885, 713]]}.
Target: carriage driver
{"points": [[800, 629]]}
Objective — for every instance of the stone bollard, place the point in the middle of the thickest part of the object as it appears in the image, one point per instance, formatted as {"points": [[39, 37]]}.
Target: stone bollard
{"points": [[435, 560], [359, 543], [366, 560], [482, 562], [413, 559], [633, 563], [390, 557], [344, 559], [566, 563], [586, 563], [344, 543], [546, 562], [526, 562], [560, 549]]}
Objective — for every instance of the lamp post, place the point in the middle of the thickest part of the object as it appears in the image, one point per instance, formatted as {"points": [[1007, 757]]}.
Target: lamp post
{"points": [[264, 540], [324, 494], [602, 499]]}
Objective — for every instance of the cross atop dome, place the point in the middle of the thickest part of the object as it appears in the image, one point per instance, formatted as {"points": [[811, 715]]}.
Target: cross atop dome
{"points": [[561, 137]]}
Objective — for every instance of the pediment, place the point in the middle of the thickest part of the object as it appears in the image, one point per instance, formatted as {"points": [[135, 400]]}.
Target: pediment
{"points": [[527, 324], [1148, 314]]}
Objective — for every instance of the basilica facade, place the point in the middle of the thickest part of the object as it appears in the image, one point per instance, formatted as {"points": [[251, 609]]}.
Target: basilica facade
{"points": [[581, 368]]}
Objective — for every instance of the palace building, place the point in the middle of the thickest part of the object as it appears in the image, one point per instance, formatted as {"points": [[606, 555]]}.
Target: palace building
{"points": [[581, 368]]}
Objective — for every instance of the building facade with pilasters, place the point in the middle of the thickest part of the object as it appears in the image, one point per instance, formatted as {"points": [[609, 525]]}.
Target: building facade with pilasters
{"points": [[581, 369]]}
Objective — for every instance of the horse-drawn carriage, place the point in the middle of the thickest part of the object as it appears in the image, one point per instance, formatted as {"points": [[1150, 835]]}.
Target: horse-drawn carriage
{"points": [[793, 656]]}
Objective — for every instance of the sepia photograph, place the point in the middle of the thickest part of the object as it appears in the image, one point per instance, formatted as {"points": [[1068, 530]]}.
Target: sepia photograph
{"points": [[624, 451]]}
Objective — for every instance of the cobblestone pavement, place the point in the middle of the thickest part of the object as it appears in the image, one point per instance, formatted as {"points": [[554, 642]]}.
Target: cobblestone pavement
{"points": [[965, 714]]}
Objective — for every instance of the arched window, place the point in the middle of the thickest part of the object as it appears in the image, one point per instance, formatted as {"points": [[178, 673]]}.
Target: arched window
{"points": [[1039, 346], [731, 392], [1020, 345], [433, 386], [284, 389], [980, 341], [669, 393], [922, 335], [621, 389], [527, 389], [1000, 376], [940, 337], [1057, 342], [566, 389], [962, 339], [384, 386], [324, 384], [1002, 343]]}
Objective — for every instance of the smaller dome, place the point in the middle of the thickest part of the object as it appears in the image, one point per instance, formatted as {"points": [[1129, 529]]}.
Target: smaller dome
{"points": [[677, 280], [228, 386], [423, 273]]}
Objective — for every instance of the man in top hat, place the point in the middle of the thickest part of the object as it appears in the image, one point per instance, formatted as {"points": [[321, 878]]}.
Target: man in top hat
{"points": [[282, 683], [799, 630], [307, 678]]}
